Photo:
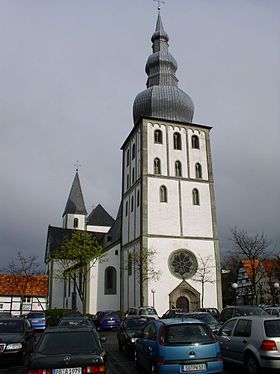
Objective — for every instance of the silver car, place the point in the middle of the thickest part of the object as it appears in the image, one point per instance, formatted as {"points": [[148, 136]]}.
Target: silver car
{"points": [[253, 341], [273, 310]]}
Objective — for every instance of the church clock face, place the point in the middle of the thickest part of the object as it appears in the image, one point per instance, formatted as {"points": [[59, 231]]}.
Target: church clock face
{"points": [[182, 263]]}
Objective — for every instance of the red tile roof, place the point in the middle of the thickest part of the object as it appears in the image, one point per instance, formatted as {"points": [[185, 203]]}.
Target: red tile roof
{"points": [[271, 266], [250, 265], [37, 285]]}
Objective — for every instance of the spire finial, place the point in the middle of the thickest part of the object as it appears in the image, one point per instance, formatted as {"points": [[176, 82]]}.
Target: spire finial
{"points": [[159, 2], [77, 164]]}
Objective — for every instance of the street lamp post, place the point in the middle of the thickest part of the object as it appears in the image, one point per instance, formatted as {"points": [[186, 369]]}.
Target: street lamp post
{"points": [[235, 286], [275, 293], [153, 292]]}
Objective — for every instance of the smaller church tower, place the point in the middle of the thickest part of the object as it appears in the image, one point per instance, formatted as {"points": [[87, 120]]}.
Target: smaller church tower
{"points": [[74, 216]]}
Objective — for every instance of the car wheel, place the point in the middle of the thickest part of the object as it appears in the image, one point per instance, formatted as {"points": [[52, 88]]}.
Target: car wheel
{"points": [[252, 365]]}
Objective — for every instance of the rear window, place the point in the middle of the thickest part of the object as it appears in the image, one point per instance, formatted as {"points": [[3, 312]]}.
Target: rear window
{"points": [[188, 334], [68, 342], [110, 314], [272, 328], [36, 315], [147, 312]]}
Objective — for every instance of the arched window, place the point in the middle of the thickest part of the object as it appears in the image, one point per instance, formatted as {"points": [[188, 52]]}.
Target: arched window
{"points": [[126, 208], [133, 152], [133, 175], [195, 196], [158, 136], [127, 181], [163, 194], [138, 198], [198, 170], [195, 142], [132, 204], [177, 140], [76, 223], [110, 281], [178, 169], [157, 168], [129, 264], [127, 157]]}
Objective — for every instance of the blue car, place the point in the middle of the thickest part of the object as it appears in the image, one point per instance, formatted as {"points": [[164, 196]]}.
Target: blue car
{"points": [[38, 320], [178, 346], [107, 319]]}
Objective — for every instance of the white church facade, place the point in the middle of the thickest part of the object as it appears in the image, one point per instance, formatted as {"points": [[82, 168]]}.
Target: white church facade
{"points": [[167, 208]]}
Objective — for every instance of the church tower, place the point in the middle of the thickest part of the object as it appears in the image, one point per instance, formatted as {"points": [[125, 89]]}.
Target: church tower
{"points": [[168, 205]]}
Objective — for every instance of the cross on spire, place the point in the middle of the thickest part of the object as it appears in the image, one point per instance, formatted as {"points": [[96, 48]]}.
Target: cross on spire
{"points": [[159, 2], [77, 164]]}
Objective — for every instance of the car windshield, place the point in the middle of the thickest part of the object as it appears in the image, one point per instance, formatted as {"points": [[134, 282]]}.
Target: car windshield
{"points": [[147, 312], [11, 326], [187, 334], [74, 322], [68, 342], [36, 315], [272, 328], [207, 317], [135, 324]]}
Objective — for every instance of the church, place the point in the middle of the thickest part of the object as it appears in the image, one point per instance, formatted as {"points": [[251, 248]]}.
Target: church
{"points": [[167, 218]]}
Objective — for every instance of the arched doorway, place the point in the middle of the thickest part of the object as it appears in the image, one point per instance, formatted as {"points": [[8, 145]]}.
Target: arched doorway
{"points": [[183, 303]]}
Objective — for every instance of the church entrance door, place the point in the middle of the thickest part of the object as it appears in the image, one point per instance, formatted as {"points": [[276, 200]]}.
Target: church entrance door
{"points": [[183, 303]]}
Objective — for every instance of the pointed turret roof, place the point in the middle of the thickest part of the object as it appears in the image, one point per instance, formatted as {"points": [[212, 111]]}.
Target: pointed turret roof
{"points": [[162, 99], [75, 203], [100, 217]]}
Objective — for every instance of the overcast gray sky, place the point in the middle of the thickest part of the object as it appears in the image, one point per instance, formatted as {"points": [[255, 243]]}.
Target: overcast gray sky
{"points": [[69, 73]]}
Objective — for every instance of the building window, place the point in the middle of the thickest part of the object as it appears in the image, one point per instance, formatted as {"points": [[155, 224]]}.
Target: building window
{"points": [[132, 204], [1, 306], [110, 281], [138, 198], [163, 194], [195, 196], [126, 208], [198, 171], [177, 141], [195, 142], [129, 264], [157, 168], [133, 152], [127, 181], [133, 175], [127, 157], [158, 137], [116, 252], [76, 222], [178, 169]]}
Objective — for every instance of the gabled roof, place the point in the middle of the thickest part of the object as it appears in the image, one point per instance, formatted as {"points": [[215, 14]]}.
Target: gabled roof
{"points": [[37, 285], [75, 203], [271, 266], [56, 235], [100, 217]]}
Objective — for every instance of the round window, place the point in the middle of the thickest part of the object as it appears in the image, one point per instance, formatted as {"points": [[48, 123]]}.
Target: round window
{"points": [[182, 263]]}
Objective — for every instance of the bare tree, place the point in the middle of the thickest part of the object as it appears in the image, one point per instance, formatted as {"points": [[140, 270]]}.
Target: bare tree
{"points": [[76, 255], [23, 271], [204, 274], [142, 261], [253, 248]]}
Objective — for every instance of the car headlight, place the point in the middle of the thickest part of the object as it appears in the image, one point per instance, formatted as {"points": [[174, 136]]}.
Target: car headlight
{"points": [[13, 346]]}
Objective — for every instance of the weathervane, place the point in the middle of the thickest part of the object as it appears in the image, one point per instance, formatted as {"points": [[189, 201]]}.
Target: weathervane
{"points": [[77, 164], [159, 2]]}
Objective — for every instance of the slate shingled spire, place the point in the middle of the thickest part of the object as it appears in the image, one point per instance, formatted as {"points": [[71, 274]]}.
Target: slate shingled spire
{"points": [[162, 99], [75, 203]]}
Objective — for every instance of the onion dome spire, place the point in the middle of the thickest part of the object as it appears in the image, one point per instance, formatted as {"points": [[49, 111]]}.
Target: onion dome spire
{"points": [[162, 99]]}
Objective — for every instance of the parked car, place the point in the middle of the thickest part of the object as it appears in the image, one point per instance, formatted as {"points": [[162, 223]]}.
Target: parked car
{"points": [[75, 321], [202, 316], [38, 320], [147, 311], [68, 350], [178, 346], [214, 311], [128, 333], [17, 339], [170, 312], [107, 319], [240, 310], [273, 310], [253, 341]]}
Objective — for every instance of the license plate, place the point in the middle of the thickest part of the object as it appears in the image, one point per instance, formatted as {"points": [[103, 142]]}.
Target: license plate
{"points": [[67, 371], [193, 367]]}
